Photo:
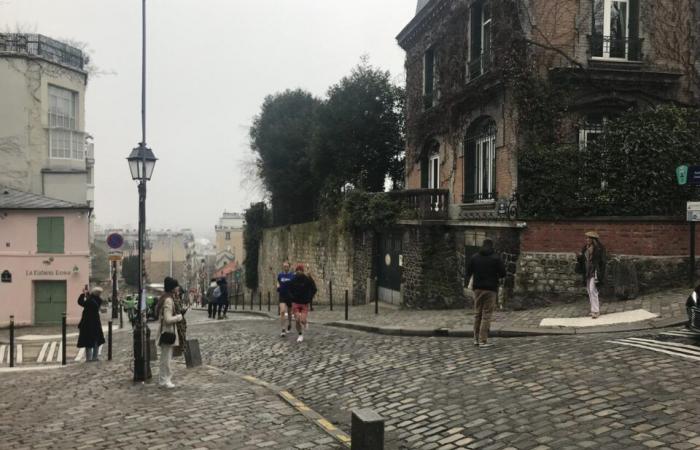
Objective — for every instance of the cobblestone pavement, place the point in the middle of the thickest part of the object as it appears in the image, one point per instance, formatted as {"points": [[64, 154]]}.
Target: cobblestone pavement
{"points": [[96, 406], [557, 392], [666, 304]]}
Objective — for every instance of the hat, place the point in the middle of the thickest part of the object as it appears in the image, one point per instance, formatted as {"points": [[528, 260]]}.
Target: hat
{"points": [[592, 234], [169, 284], [299, 268], [96, 290]]}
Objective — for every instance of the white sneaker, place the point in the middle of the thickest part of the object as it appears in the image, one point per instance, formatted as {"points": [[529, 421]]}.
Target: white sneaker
{"points": [[283, 333], [168, 385], [300, 338]]}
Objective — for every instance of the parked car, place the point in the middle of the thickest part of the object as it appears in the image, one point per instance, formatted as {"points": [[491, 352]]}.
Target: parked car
{"points": [[693, 307]]}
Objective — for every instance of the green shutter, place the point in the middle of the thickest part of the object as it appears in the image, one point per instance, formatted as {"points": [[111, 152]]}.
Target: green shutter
{"points": [[634, 46], [50, 235], [469, 170], [424, 172], [476, 30], [57, 234]]}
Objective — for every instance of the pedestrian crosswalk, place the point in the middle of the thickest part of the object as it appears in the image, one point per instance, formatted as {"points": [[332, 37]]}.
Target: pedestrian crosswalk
{"points": [[666, 347], [49, 352], [5, 354]]}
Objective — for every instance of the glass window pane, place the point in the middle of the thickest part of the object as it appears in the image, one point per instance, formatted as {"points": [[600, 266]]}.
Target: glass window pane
{"points": [[598, 16]]}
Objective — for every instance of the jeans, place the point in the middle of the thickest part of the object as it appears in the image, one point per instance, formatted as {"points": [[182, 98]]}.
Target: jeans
{"points": [[92, 353], [166, 354], [484, 304], [593, 295]]}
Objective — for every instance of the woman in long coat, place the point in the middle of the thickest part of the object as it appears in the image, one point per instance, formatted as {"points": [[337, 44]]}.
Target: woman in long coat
{"points": [[165, 310], [91, 336]]}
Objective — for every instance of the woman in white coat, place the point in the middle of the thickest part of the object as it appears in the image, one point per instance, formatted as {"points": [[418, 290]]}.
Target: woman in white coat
{"points": [[167, 318]]}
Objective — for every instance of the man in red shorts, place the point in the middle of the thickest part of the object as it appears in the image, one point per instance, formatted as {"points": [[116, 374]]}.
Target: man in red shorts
{"points": [[302, 290]]}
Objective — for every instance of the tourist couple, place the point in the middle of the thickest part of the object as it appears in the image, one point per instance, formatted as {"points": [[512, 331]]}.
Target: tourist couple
{"points": [[296, 290]]}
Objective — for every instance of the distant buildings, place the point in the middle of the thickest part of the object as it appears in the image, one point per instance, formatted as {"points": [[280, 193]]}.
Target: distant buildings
{"points": [[229, 239]]}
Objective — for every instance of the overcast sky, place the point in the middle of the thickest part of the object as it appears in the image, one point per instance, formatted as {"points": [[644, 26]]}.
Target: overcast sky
{"points": [[210, 65]]}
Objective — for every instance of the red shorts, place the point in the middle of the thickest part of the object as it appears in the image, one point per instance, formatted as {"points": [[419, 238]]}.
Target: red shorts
{"points": [[298, 308]]}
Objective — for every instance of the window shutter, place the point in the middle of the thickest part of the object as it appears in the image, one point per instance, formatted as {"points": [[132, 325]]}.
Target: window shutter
{"points": [[424, 169], [469, 169], [476, 31], [57, 235], [43, 235], [635, 46]]}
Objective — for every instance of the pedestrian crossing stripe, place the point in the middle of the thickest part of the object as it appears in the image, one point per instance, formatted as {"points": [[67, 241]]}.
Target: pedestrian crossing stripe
{"points": [[2, 354], [682, 333], [5, 354], [668, 348]]}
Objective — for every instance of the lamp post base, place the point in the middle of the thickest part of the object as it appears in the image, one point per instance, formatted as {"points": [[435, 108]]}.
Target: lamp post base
{"points": [[142, 353]]}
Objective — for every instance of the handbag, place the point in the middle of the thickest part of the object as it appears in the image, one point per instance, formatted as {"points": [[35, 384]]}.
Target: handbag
{"points": [[166, 337]]}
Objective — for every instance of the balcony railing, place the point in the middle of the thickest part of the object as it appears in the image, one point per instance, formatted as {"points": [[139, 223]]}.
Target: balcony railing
{"points": [[480, 65], [43, 47], [423, 204], [480, 197], [613, 48]]}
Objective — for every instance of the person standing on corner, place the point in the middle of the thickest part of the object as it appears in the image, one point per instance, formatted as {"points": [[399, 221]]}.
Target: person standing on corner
{"points": [[592, 260], [167, 331], [302, 289], [487, 268], [285, 299], [91, 335]]}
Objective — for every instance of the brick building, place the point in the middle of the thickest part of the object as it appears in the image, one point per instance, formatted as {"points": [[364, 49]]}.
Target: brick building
{"points": [[465, 126]]}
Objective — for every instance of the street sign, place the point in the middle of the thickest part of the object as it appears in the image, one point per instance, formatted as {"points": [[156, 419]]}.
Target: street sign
{"points": [[693, 211], [115, 255], [115, 240], [694, 175], [682, 175]]}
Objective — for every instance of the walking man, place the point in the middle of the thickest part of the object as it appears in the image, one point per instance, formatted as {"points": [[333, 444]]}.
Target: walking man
{"points": [[487, 269], [302, 289], [285, 298]]}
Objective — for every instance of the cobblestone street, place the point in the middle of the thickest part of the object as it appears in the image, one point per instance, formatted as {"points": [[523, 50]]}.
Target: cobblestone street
{"points": [[563, 392]]}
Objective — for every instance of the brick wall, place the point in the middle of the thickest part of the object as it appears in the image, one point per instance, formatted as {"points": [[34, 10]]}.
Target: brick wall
{"points": [[625, 237]]}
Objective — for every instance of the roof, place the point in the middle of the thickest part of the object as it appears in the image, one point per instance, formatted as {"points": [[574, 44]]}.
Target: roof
{"points": [[14, 199], [227, 269], [426, 10]]}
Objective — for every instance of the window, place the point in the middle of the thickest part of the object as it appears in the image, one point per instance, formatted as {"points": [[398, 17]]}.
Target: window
{"points": [[480, 163], [228, 236], [65, 142], [434, 172], [430, 165], [481, 31], [429, 79], [49, 235], [615, 30]]}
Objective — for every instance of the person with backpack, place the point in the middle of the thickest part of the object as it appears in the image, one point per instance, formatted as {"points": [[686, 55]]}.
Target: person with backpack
{"points": [[487, 268], [302, 290], [221, 295], [285, 298]]}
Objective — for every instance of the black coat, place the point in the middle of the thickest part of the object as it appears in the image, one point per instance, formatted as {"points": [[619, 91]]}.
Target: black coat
{"points": [[487, 269], [90, 326], [598, 264], [302, 289]]}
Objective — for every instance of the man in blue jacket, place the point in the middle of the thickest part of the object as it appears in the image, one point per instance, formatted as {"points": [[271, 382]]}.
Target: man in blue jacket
{"points": [[487, 269]]}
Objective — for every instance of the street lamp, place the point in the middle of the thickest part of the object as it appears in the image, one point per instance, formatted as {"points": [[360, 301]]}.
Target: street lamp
{"points": [[142, 161]]}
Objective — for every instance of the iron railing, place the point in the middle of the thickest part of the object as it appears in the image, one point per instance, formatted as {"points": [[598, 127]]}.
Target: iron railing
{"points": [[43, 47], [479, 197], [423, 204], [610, 47]]}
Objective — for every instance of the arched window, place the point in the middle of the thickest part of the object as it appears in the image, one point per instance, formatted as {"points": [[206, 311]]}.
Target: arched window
{"points": [[480, 162], [430, 165]]}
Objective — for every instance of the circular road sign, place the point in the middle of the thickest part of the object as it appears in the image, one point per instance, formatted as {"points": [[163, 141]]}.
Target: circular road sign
{"points": [[115, 240]]}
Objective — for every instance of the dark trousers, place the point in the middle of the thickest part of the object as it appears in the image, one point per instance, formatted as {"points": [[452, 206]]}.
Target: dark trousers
{"points": [[211, 309], [222, 307]]}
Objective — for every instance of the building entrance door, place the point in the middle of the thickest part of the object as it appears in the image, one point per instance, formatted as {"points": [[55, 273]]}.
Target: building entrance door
{"points": [[388, 268], [49, 302]]}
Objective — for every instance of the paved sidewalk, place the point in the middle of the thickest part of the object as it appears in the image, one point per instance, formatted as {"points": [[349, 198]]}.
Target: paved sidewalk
{"points": [[668, 305], [96, 406]]}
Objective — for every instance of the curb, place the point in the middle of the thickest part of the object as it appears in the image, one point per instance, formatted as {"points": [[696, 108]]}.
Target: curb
{"points": [[324, 424], [506, 332]]}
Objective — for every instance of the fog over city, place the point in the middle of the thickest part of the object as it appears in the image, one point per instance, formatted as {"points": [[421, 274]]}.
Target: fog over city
{"points": [[210, 65]]}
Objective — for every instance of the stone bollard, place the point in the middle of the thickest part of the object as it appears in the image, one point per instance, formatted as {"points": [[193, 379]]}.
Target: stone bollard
{"points": [[367, 432], [193, 357]]}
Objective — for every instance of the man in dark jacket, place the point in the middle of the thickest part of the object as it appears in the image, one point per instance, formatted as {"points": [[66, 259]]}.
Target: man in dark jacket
{"points": [[302, 290], [487, 269]]}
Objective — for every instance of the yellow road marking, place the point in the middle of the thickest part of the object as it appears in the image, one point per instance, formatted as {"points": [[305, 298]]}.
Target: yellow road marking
{"points": [[304, 408], [249, 378], [326, 424], [343, 437], [287, 395]]}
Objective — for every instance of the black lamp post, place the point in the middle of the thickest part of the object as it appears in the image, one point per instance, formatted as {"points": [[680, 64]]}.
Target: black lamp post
{"points": [[141, 164]]}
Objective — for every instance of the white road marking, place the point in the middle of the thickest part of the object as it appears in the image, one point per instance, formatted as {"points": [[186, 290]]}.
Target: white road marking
{"points": [[19, 354], [59, 352], [682, 333], [636, 315], [670, 351], [81, 354], [52, 349], [691, 349], [2, 355], [42, 352]]}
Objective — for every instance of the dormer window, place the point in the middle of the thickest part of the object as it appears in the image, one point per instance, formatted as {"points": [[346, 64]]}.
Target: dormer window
{"points": [[615, 30]]}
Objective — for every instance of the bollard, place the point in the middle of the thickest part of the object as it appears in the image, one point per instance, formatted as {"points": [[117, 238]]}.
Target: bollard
{"points": [[121, 316], [367, 430], [63, 340], [243, 300], [12, 341], [330, 293], [235, 301], [346, 304], [109, 341], [376, 304], [260, 301], [269, 302], [252, 299]]}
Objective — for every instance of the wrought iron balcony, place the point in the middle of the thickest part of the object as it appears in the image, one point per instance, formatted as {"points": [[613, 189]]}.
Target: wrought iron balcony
{"points": [[481, 197], [423, 204], [613, 48], [43, 47]]}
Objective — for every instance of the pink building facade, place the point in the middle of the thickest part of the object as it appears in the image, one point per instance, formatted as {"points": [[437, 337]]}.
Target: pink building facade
{"points": [[44, 258]]}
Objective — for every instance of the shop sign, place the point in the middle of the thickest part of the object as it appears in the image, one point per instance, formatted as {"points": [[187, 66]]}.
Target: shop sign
{"points": [[48, 273], [6, 276]]}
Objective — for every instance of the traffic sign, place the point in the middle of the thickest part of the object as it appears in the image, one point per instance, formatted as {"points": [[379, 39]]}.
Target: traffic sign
{"points": [[115, 240], [115, 255], [688, 175], [693, 211]]}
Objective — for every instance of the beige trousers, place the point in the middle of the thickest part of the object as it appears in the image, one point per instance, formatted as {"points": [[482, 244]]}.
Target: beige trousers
{"points": [[484, 304]]}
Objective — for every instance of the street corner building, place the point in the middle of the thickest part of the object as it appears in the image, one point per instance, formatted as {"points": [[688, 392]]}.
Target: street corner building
{"points": [[44, 258]]}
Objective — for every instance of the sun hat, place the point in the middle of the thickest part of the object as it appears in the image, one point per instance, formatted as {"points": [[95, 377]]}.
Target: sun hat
{"points": [[592, 234]]}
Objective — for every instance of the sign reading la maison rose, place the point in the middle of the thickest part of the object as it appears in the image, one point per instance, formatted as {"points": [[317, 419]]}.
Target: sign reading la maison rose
{"points": [[47, 273]]}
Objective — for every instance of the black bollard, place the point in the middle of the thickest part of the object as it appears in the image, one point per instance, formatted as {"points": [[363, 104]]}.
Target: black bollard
{"points": [[243, 300], [330, 293], [12, 341], [346, 304], [269, 302], [109, 340], [260, 301], [121, 316], [376, 304], [252, 299], [367, 430], [64, 340]]}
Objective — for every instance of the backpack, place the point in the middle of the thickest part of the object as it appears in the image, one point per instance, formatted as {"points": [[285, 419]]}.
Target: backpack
{"points": [[217, 292]]}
